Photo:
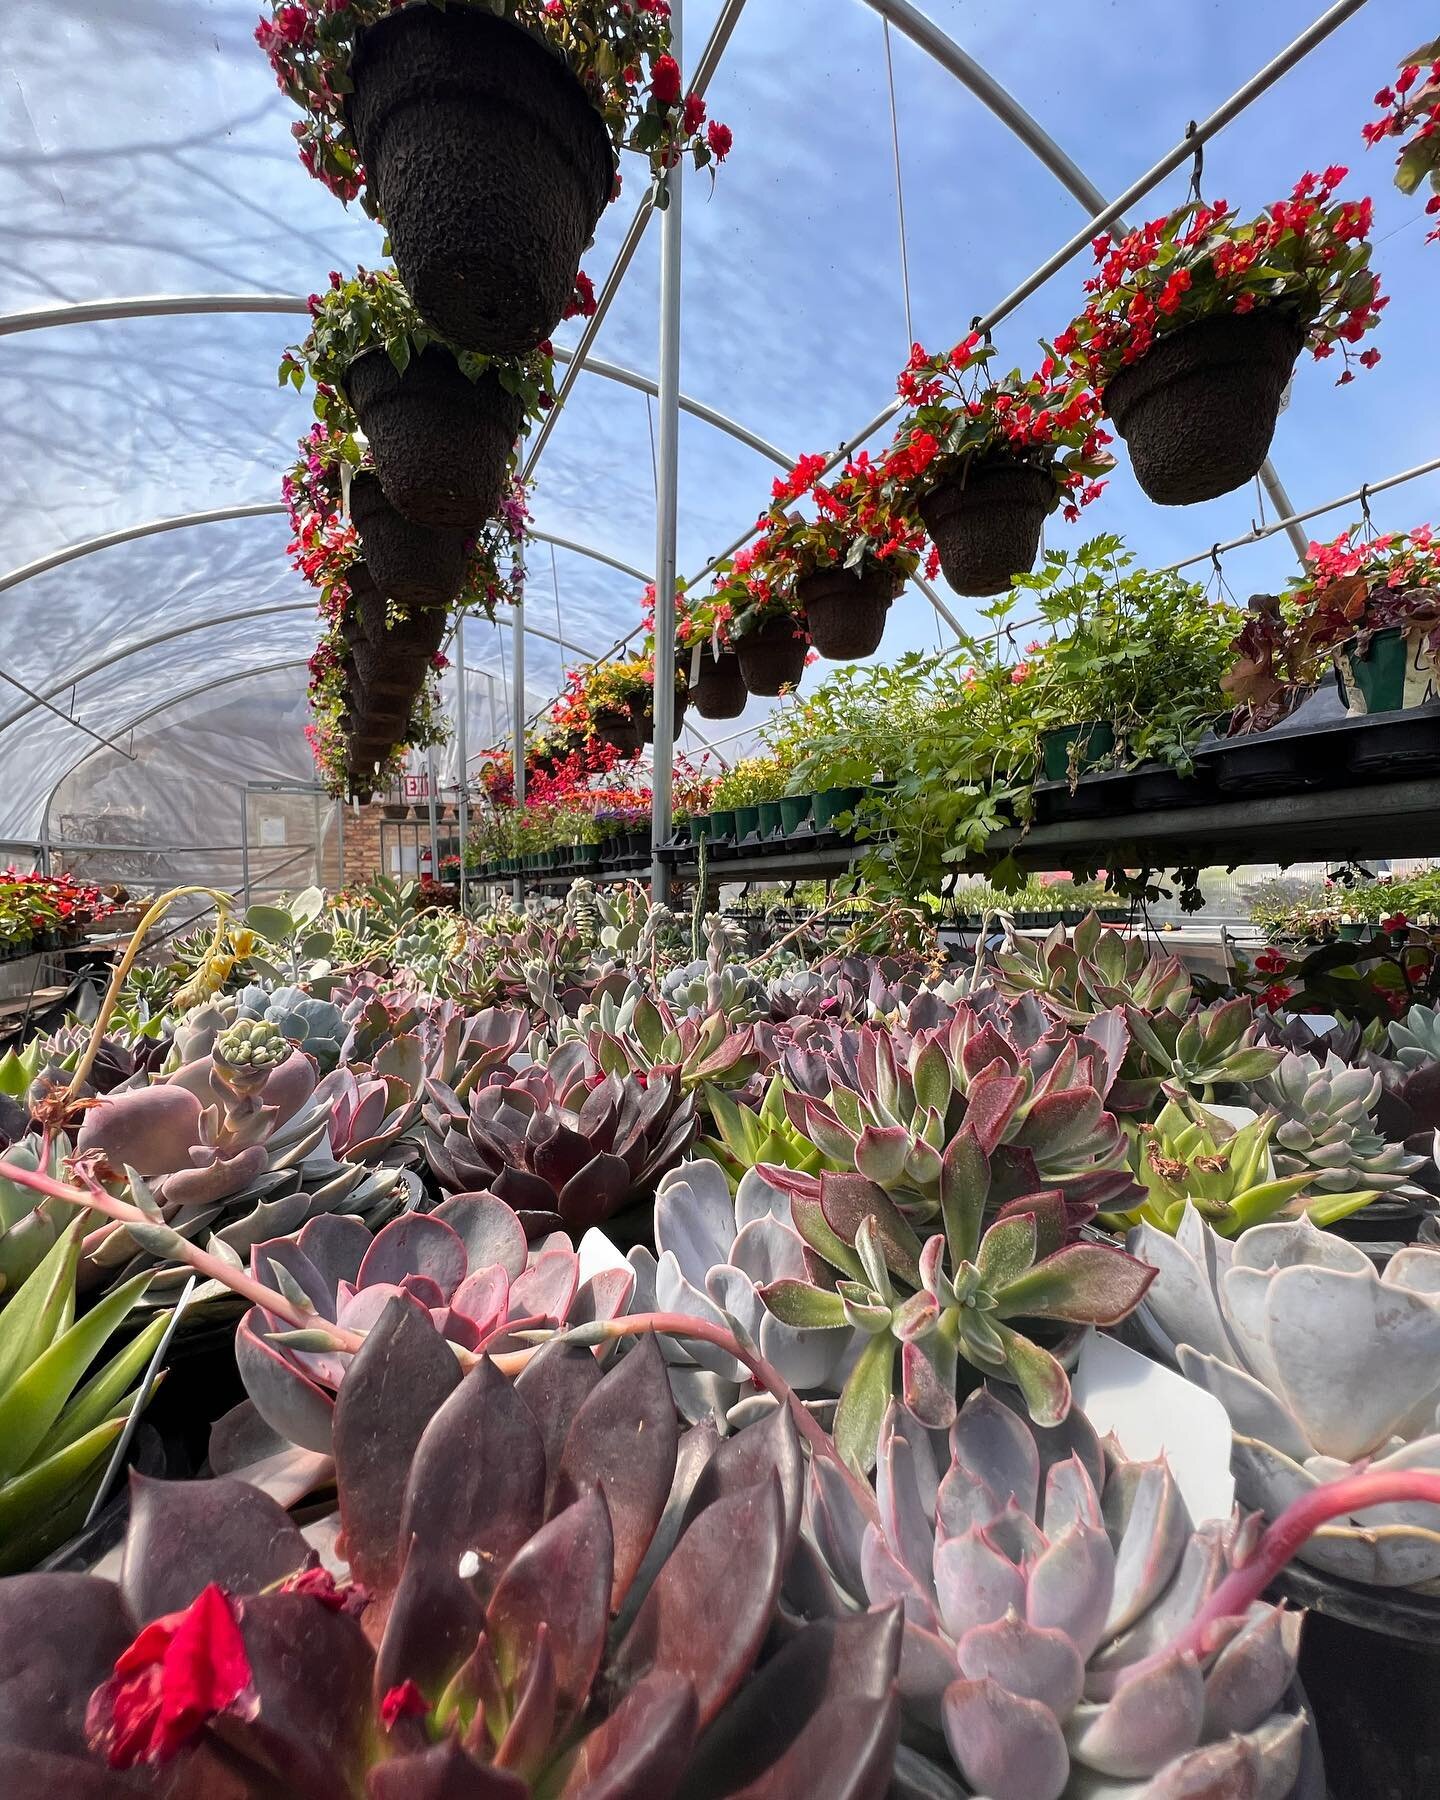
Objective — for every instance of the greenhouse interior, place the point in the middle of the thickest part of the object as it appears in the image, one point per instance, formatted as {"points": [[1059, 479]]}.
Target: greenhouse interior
{"points": [[747, 694]]}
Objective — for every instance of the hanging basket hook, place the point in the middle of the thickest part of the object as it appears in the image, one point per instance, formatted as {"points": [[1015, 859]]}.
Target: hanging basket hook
{"points": [[1197, 168]]}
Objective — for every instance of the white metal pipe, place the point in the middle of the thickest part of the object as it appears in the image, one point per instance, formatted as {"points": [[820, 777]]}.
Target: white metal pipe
{"points": [[667, 473]]}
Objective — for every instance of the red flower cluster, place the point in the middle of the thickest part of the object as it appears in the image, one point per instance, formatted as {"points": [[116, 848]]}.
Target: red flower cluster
{"points": [[1271, 962], [1308, 253], [1412, 113]]}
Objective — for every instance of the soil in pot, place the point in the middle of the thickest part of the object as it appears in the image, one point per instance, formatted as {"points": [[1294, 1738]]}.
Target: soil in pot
{"points": [[1075, 749], [986, 523], [416, 565], [1370, 1665], [771, 658], [1198, 410], [441, 441], [845, 609], [718, 687], [489, 165]]}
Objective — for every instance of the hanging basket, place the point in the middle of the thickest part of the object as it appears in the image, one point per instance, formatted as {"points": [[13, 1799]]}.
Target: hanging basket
{"points": [[618, 728], [1198, 410], [986, 523], [647, 721], [718, 687], [845, 609], [387, 678], [419, 633], [772, 657], [417, 565], [441, 442], [489, 165]]}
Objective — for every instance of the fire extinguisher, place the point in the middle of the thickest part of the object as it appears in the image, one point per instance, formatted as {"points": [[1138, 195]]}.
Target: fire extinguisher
{"points": [[427, 864]]}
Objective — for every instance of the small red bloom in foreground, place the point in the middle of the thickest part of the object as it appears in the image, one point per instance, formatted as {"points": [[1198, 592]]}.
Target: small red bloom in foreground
{"points": [[319, 1584], [403, 1702], [1396, 922], [665, 79], [720, 138], [1276, 995], [1271, 962], [180, 1671]]}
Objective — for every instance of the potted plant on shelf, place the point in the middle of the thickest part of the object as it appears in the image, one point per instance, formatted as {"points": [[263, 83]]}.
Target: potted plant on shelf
{"points": [[1195, 322], [484, 135], [847, 562], [1369, 606], [984, 463], [441, 422]]}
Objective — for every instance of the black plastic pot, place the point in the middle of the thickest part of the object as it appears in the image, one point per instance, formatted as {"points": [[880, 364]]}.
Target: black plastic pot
{"points": [[1403, 743], [637, 843], [1267, 763], [488, 164], [718, 687], [441, 442], [1198, 410], [1157, 788], [845, 609], [1385, 1221], [771, 658], [1370, 1666], [417, 565], [986, 524]]}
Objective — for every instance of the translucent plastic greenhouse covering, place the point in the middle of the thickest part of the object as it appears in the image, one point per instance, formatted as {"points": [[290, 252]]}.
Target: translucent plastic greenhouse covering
{"points": [[144, 151]]}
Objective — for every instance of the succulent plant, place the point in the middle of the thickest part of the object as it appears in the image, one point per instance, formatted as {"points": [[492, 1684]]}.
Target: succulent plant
{"points": [[566, 1145], [57, 1435], [1325, 1128], [1207, 1048], [1321, 1363], [28, 1227], [1044, 1579], [958, 1295], [746, 1136], [715, 1255], [315, 1025], [730, 990], [242, 1145], [1034, 1093], [466, 1267], [632, 1034], [1191, 1155], [1410, 1102], [1093, 970], [496, 1530]]}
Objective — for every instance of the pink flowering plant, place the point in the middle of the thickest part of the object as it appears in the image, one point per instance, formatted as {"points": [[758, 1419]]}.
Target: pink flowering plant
{"points": [[372, 311], [618, 50], [855, 522], [756, 589], [1308, 255], [1049, 420], [1411, 113]]}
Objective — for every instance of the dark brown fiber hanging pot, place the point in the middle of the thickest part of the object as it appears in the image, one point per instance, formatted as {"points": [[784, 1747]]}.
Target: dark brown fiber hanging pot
{"points": [[489, 165], [986, 523], [845, 609], [441, 442], [718, 687], [417, 634], [417, 565], [771, 658], [647, 721], [1198, 410], [618, 728]]}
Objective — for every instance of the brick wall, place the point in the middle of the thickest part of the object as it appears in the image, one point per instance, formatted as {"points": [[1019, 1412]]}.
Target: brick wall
{"points": [[362, 844]]}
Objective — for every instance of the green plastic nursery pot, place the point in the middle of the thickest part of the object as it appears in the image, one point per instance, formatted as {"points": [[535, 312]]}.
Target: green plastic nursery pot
{"points": [[722, 825], [794, 810], [828, 806], [588, 854], [1096, 742], [1354, 932], [1380, 674], [747, 819], [770, 821]]}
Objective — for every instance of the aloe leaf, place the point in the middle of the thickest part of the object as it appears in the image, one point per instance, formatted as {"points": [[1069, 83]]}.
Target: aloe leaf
{"points": [[1334, 1207], [1263, 1202], [28, 1325], [36, 1399], [96, 1401], [30, 1502]]}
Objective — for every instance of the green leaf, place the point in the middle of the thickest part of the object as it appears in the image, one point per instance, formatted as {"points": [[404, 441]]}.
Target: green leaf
{"points": [[1007, 1250], [808, 1308], [28, 1324], [29, 1504], [271, 922], [1039, 1377], [1090, 1284], [398, 350], [964, 1189], [96, 1401], [863, 1402], [36, 1398]]}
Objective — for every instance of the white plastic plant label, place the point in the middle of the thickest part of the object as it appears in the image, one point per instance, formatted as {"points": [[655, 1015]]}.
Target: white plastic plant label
{"points": [[1154, 1412]]}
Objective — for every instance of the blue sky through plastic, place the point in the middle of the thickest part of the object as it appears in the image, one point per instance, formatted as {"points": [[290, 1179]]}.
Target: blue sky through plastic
{"points": [[143, 150]]}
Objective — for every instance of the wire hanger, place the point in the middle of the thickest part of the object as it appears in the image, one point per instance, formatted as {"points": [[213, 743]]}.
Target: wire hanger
{"points": [[1197, 168]]}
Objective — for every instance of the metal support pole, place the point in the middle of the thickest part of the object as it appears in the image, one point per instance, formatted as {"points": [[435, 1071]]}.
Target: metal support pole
{"points": [[667, 470], [245, 846], [463, 804], [517, 638], [340, 843], [434, 818]]}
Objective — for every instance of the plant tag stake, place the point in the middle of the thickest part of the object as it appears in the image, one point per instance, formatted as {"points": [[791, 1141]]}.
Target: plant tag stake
{"points": [[142, 1395], [1154, 1411]]}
